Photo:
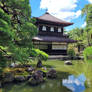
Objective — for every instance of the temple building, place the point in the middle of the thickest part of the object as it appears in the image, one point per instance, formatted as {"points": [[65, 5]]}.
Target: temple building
{"points": [[51, 37]]}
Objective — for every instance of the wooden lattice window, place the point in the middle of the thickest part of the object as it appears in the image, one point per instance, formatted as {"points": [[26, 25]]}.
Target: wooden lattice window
{"points": [[52, 29], [59, 29], [44, 28]]}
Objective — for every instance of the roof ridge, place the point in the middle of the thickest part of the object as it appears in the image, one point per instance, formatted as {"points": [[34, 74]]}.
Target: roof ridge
{"points": [[51, 18], [57, 18]]}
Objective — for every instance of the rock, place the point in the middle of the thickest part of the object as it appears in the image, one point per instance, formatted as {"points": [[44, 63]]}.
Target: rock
{"points": [[44, 68], [19, 71], [19, 78], [32, 82], [27, 65], [28, 77], [36, 78], [30, 69], [68, 63], [23, 66], [8, 77], [52, 74], [13, 65], [42, 73]]}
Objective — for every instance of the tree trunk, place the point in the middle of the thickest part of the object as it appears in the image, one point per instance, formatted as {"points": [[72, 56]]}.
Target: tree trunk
{"points": [[79, 48], [39, 64], [88, 39]]}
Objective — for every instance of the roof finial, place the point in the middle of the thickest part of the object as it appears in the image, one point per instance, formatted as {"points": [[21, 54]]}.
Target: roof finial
{"points": [[47, 11]]}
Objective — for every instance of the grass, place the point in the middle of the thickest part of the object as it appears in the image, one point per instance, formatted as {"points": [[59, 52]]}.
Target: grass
{"points": [[61, 67], [78, 67]]}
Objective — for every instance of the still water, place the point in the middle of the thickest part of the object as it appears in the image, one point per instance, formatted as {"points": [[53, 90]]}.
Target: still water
{"points": [[76, 84], [71, 84]]}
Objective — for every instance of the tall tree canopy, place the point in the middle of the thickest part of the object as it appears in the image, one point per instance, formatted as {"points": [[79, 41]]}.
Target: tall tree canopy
{"points": [[79, 34], [87, 12], [84, 35], [16, 30]]}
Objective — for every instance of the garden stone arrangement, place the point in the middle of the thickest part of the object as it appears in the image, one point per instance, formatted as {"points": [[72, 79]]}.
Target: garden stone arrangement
{"points": [[33, 76]]}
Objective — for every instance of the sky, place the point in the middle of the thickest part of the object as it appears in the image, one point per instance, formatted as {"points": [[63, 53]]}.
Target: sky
{"points": [[68, 10]]}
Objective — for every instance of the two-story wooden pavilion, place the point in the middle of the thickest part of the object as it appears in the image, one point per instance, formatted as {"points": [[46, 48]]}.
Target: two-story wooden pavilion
{"points": [[51, 37]]}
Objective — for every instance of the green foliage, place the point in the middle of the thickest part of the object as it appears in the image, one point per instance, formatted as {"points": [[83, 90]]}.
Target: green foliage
{"points": [[71, 53], [88, 54], [87, 12], [2, 62], [16, 30], [39, 54], [80, 35]]}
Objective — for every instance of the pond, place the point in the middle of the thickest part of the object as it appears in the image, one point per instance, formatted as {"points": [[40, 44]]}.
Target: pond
{"points": [[71, 84], [76, 84]]}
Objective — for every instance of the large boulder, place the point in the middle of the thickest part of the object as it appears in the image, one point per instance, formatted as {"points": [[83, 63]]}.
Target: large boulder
{"points": [[68, 63], [8, 77], [41, 72], [19, 78], [36, 78], [52, 74]]}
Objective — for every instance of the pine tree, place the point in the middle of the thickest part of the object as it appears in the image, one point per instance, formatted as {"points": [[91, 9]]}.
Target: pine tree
{"points": [[16, 30]]}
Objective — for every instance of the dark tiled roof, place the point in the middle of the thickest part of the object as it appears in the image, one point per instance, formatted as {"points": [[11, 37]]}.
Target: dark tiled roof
{"points": [[48, 17], [53, 39]]}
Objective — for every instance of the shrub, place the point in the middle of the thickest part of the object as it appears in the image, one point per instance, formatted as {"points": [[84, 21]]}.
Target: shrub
{"points": [[88, 54], [39, 54], [71, 53]]}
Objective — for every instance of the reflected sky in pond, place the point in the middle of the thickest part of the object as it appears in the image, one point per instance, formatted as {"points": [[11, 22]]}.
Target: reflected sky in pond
{"points": [[76, 84]]}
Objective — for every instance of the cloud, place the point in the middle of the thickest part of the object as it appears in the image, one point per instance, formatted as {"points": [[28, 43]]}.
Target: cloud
{"points": [[84, 25], [78, 13], [90, 1], [63, 9]]}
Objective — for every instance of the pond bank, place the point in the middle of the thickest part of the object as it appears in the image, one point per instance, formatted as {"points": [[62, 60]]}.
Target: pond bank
{"points": [[64, 57], [63, 71]]}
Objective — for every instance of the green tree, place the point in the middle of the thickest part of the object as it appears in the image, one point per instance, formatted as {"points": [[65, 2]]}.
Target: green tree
{"points": [[16, 30], [5, 37], [78, 34], [87, 12]]}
